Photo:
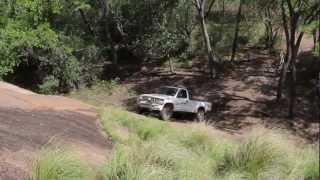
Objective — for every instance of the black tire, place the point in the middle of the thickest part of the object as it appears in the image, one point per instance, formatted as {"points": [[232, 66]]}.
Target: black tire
{"points": [[141, 110], [166, 112], [201, 115]]}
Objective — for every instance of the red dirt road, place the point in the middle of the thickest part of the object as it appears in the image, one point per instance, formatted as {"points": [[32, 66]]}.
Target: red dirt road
{"points": [[29, 121]]}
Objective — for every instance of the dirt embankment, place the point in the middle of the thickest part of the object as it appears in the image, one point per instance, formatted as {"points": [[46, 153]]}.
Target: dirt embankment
{"points": [[29, 121]]}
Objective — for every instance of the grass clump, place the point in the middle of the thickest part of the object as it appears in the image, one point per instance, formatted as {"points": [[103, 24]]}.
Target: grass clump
{"points": [[252, 158], [310, 162], [56, 163], [143, 127], [153, 160]]}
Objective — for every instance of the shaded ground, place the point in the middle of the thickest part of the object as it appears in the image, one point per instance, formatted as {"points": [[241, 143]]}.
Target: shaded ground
{"points": [[242, 98], [29, 121]]}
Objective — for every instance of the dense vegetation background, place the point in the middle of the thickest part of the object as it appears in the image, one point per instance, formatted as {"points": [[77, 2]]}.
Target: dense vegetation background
{"points": [[58, 46], [54, 46]]}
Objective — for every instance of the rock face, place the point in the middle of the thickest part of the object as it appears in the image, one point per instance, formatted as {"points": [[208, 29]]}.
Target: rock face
{"points": [[29, 121]]}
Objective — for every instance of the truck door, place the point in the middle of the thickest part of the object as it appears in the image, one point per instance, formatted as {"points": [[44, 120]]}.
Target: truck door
{"points": [[182, 101]]}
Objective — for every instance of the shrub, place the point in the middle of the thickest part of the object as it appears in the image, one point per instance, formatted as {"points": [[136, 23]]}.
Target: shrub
{"points": [[49, 86]]}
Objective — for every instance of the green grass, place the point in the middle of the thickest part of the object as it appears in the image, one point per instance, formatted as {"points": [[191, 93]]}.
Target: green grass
{"points": [[58, 164], [144, 128], [156, 150], [253, 158], [97, 93], [150, 149]]}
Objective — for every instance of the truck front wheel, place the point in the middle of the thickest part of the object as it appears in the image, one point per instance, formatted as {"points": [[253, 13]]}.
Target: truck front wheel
{"points": [[166, 112], [201, 115]]}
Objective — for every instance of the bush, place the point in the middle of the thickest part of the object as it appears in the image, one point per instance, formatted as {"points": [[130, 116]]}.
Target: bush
{"points": [[49, 86], [56, 163]]}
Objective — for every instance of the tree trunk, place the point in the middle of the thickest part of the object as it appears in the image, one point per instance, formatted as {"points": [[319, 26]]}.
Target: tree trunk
{"points": [[208, 46], [283, 75], [171, 66], [86, 22], [294, 48], [200, 6], [292, 89], [206, 39], [222, 17], [236, 32], [114, 52], [314, 35]]}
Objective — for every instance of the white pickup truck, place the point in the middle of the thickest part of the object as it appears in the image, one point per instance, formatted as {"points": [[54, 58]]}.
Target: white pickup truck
{"points": [[173, 99]]}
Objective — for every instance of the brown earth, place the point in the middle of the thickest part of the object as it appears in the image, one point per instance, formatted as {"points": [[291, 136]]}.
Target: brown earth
{"points": [[243, 98], [30, 121]]}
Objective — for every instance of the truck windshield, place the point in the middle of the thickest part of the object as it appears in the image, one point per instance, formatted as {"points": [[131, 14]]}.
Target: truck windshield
{"points": [[168, 91]]}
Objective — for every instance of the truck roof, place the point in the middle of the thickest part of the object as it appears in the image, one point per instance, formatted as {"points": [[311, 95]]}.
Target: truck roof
{"points": [[177, 87]]}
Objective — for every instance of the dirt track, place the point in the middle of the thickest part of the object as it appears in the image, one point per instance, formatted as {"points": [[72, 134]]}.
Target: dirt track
{"points": [[29, 121]]}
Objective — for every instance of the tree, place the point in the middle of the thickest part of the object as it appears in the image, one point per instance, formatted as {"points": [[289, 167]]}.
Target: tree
{"points": [[236, 31], [294, 14], [269, 11], [200, 7]]}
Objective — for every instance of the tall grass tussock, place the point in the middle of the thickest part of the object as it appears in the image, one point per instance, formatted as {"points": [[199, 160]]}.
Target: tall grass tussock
{"points": [[56, 163]]}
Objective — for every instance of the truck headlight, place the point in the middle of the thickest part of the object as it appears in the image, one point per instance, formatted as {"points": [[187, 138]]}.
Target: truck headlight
{"points": [[159, 101]]}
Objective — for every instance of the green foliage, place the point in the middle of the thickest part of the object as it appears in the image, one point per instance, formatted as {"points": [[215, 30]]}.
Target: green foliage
{"points": [[16, 40], [56, 163], [36, 12], [49, 86], [73, 40], [62, 64]]}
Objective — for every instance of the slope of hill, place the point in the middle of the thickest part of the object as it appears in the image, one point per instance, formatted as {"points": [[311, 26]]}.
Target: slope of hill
{"points": [[29, 121]]}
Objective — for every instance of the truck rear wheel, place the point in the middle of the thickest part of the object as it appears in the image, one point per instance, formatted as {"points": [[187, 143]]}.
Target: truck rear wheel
{"points": [[166, 112], [201, 115]]}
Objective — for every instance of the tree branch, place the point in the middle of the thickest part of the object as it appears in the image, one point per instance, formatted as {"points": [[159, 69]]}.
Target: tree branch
{"points": [[290, 7], [196, 3], [209, 9], [285, 23], [315, 11], [297, 44]]}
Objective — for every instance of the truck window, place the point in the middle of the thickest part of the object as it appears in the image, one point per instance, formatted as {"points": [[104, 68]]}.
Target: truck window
{"points": [[182, 94], [168, 91]]}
